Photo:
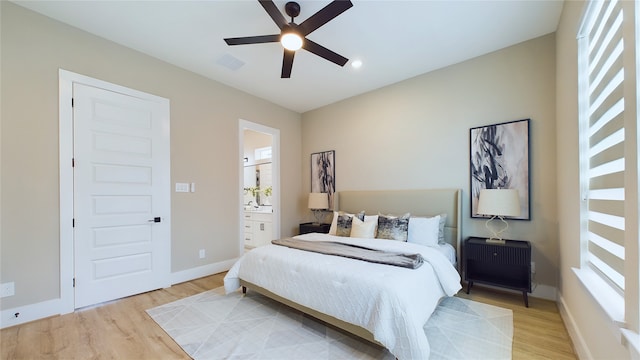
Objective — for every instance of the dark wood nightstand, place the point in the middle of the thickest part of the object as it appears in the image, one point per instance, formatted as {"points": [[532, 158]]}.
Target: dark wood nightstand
{"points": [[505, 265], [311, 227]]}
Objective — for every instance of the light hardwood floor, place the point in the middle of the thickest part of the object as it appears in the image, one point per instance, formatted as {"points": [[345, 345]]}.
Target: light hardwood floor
{"points": [[538, 331], [122, 329]]}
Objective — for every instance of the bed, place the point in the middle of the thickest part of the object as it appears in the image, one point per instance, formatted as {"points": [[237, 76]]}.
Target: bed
{"points": [[387, 305]]}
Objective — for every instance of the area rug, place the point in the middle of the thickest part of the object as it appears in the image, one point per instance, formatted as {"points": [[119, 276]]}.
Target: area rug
{"points": [[212, 325]]}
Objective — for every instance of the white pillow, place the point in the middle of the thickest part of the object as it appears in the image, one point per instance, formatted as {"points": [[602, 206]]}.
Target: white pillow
{"points": [[424, 230], [363, 229], [373, 218], [334, 224]]}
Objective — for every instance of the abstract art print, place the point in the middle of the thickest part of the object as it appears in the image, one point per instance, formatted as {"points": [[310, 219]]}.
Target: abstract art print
{"points": [[323, 174], [500, 160]]}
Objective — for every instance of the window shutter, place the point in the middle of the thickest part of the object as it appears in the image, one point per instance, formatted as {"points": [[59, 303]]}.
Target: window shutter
{"points": [[602, 138]]}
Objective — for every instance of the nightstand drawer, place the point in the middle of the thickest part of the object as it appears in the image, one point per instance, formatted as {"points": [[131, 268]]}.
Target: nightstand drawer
{"points": [[497, 254]]}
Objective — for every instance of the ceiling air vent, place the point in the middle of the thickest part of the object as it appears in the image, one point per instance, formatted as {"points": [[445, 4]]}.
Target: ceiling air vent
{"points": [[230, 62]]}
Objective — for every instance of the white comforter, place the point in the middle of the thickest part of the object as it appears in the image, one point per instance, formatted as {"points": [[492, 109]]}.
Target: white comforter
{"points": [[393, 303]]}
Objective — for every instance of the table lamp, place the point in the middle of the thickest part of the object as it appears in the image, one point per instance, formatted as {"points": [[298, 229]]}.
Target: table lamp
{"points": [[317, 203], [498, 203]]}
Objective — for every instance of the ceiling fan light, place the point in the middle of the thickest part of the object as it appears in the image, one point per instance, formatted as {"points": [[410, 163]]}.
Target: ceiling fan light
{"points": [[291, 41]]}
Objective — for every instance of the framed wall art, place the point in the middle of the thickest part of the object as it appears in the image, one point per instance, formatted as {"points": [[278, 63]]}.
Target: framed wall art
{"points": [[323, 174], [500, 160]]}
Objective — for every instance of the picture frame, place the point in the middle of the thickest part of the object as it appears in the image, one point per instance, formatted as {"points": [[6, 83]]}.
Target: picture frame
{"points": [[499, 159], [323, 174]]}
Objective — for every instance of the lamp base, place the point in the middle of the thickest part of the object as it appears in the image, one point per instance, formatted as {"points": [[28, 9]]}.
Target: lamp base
{"points": [[319, 215], [495, 235], [495, 241]]}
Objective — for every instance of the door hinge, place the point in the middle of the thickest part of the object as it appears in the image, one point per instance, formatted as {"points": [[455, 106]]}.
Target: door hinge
{"points": [[74, 282], [73, 222], [71, 102], [73, 162]]}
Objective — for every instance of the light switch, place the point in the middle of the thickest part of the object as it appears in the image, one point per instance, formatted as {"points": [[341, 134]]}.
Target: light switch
{"points": [[182, 187]]}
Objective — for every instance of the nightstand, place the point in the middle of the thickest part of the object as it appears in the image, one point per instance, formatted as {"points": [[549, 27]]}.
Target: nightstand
{"points": [[505, 265], [311, 227]]}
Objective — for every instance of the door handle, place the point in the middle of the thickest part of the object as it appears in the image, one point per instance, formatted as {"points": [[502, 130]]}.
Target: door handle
{"points": [[155, 219]]}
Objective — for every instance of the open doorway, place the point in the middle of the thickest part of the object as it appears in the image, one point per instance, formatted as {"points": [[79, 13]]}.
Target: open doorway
{"points": [[259, 184]]}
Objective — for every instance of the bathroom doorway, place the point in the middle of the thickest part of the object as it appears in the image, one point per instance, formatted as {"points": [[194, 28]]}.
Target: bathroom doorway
{"points": [[259, 184]]}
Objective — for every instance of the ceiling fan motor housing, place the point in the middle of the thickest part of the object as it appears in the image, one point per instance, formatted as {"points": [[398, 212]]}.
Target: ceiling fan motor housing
{"points": [[292, 9]]}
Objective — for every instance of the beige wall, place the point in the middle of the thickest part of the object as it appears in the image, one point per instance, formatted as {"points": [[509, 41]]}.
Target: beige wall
{"points": [[593, 333], [204, 148], [415, 134]]}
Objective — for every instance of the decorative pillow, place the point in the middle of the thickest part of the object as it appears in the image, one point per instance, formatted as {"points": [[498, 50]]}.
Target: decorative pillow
{"points": [[393, 227], [424, 230], [364, 229], [333, 229], [443, 220], [344, 225]]}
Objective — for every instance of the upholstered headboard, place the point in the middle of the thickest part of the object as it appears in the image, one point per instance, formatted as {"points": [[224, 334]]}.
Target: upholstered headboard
{"points": [[426, 202]]}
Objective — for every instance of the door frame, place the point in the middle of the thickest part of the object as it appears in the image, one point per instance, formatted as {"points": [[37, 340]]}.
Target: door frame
{"points": [[275, 165], [66, 79]]}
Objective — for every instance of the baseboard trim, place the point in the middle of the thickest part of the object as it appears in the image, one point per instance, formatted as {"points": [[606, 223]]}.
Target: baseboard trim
{"points": [[54, 307], [579, 345], [30, 313], [201, 271], [545, 292]]}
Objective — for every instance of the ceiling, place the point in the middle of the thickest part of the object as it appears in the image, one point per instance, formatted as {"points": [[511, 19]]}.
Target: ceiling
{"points": [[395, 40]]}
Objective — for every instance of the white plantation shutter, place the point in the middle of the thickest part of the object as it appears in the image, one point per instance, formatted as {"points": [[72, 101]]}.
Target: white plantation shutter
{"points": [[602, 137]]}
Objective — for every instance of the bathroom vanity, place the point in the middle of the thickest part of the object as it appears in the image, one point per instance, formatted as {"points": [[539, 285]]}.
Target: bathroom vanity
{"points": [[258, 226]]}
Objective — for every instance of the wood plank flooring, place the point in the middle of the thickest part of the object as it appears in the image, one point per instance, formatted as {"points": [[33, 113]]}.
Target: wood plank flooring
{"points": [[122, 330], [538, 331]]}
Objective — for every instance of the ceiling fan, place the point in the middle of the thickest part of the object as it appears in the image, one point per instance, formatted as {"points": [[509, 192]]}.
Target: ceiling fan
{"points": [[296, 33]]}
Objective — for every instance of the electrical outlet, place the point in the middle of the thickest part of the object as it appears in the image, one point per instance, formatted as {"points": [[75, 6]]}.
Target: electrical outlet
{"points": [[7, 289], [533, 267], [202, 253]]}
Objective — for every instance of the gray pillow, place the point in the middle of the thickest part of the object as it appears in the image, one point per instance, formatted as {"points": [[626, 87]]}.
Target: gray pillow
{"points": [[393, 228], [443, 220], [344, 225]]}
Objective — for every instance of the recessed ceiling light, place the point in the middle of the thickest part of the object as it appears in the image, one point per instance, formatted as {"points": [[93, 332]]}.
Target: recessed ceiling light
{"points": [[356, 64]]}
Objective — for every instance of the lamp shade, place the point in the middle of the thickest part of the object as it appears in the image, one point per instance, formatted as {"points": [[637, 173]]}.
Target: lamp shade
{"points": [[318, 201], [499, 202]]}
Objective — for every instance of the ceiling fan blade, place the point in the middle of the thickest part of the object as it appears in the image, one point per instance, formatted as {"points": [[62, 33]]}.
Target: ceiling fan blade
{"points": [[323, 16], [323, 52], [253, 39], [287, 63], [275, 14]]}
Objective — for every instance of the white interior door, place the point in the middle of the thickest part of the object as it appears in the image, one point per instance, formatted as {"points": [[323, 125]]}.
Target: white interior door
{"points": [[121, 195]]}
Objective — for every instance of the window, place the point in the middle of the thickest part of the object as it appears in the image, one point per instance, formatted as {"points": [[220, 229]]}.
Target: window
{"points": [[263, 153], [607, 160]]}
